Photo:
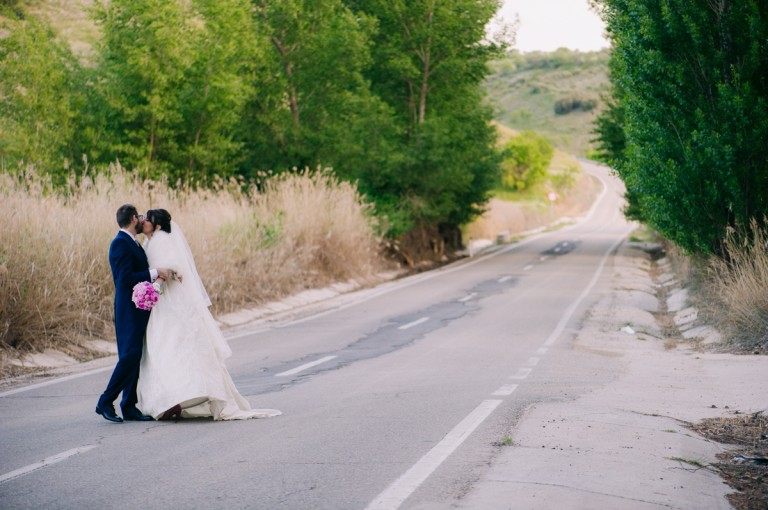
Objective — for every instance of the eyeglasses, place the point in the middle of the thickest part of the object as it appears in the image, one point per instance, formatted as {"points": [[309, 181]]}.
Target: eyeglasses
{"points": [[140, 217]]}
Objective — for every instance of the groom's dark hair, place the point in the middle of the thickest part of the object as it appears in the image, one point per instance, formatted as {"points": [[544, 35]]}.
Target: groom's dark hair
{"points": [[125, 214], [160, 217]]}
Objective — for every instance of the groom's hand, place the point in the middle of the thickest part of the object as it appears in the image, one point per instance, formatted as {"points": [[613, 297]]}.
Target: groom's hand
{"points": [[163, 273]]}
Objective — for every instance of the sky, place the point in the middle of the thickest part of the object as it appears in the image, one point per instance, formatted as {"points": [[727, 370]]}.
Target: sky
{"points": [[546, 25]]}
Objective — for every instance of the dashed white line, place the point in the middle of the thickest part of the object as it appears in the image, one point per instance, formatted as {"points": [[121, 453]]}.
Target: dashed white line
{"points": [[414, 323], [467, 297], [533, 361], [528, 267], [305, 366], [504, 279], [541, 351], [505, 390], [522, 373], [545, 257], [45, 462], [394, 495]]}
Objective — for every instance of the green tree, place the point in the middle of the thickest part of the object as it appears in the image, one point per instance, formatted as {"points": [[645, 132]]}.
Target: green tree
{"points": [[315, 107], [429, 59], [526, 159], [175, 78], [693, 78], [40, 97]]}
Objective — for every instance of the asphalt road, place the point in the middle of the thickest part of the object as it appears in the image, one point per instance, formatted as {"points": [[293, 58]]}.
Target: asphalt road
{"points": [[399, 398]]}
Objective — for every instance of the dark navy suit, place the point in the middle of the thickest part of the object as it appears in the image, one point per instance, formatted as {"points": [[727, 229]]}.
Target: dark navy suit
{"points": [[129, 266]]}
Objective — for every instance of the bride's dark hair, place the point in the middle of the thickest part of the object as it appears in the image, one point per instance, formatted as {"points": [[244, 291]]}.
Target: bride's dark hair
{"points": [[160, 217]]}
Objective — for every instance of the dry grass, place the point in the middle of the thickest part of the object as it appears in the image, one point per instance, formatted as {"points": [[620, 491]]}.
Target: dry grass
{"points": [[739, 287], [745, 467], [56, 289]]}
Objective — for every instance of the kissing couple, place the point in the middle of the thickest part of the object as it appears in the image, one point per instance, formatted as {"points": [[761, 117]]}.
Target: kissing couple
{"points": [[170, 359]]}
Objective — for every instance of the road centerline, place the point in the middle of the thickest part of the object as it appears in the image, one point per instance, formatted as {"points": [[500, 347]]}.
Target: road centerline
{"points": [[49, 461], [305, 366], [414, 323]]}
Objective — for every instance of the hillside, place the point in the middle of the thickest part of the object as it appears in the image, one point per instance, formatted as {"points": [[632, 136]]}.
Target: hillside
{"points": [[524, 89]]}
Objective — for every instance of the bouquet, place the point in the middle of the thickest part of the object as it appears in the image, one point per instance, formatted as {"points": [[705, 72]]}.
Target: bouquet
{"points": [[145, 295]]}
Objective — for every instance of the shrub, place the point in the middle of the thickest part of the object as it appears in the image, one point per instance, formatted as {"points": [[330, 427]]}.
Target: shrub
{"points": [[739, 284], [526, 159]]}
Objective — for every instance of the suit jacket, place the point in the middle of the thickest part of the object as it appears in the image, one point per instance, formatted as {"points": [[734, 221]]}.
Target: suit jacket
{"points": [[129, 266]]}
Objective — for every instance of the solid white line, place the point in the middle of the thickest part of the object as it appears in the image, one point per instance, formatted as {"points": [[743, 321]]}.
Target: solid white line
{"points": [[45, 462], [414, 323], [533, 361], [522, 373], [528, 267], [305, 366], [572, 309], [504, 279], [394, 495], [541, 351], [468, 297], [55, 381], [505, 390]]}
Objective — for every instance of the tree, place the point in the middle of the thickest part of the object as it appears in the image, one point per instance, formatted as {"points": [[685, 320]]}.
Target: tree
{"points": [[526, 159], [176, 77], [693, 78], [315, 107], [429, 59], [40, 98]]}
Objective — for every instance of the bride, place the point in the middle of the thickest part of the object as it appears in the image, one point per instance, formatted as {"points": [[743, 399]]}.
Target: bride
{"points": [[182, 370]]}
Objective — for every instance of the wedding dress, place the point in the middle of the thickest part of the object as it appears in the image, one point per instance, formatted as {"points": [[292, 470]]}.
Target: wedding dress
{"points": [[184, 349]]}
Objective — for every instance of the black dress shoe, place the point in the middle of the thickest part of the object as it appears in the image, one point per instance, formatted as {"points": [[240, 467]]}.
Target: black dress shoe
{"points": [[135, 415], [108, 413]]}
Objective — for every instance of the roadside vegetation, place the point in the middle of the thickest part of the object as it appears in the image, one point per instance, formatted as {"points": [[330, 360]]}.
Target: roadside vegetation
{"points": [[685, 127], [386, 95], [301, 230]]}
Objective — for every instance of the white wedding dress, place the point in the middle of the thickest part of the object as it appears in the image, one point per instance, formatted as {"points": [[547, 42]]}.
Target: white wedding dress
{"points": [[184, 349]]}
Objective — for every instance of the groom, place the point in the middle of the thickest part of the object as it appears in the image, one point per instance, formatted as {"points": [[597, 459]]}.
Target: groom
{"points": [[129, 267]]}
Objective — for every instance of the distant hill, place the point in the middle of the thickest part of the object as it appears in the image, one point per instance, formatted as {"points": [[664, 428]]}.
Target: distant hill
{"points": [[557, 94]]}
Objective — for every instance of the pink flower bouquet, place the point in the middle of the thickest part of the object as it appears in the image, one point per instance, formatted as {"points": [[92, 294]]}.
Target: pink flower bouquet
{"points": [[144, 295]]}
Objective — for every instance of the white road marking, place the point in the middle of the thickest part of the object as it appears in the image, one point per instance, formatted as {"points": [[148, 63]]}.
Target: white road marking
{"points": [[414, 323], [572, 309], [545, 257], [541, 351], [394, 495], [557, 249], [522, 373], [505, 390], [533, 361], [528, 267], [305, 366], [45, 462], [504, 279], [55, 381], [467, 297]]}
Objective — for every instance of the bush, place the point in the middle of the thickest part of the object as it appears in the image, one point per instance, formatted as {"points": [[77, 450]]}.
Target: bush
{"points": [[739, 284], [526, 159], [569, 104]]}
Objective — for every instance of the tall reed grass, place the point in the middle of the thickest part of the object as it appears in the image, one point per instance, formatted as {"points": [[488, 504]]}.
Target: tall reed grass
{"points": [[739, 288], [300, 231]]}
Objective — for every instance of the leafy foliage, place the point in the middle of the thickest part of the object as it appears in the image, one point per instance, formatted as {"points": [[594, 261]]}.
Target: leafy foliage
{"points": [[40, 97], [387, 94], [693, 82], [526, 159]]}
